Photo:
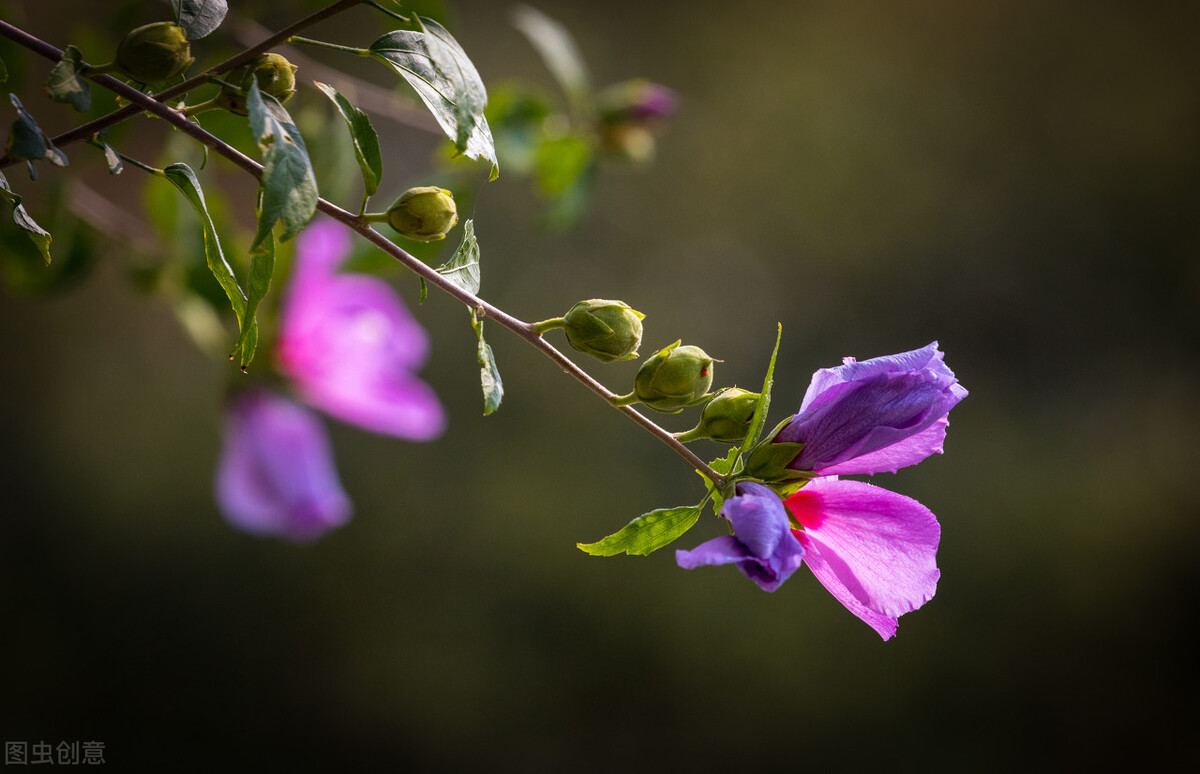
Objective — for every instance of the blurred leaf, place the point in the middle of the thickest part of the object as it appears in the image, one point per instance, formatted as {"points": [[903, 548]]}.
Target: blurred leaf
{"points": [[39, 235], [111, 157], [489, 375], [75, 253], [561, 163], [198, 18], [764, 400], [65, 85], [183, 178], [463, 268], [645, 534], [517, 117], [26, 140], [557, 48], [442, 75], [288, 188], [366, 142], [3, 72]]}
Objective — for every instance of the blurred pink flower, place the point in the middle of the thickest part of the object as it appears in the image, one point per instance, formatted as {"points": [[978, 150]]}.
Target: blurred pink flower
{"points": [[349, 344]]}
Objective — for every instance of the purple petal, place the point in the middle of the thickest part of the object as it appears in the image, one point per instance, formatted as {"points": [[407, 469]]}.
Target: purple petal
{"points": [[874, 550], [276, 474], [853, 411], [764, 548]]}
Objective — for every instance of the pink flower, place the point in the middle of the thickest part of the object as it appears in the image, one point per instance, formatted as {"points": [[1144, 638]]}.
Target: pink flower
{"points": [[276, 474], [350, 346]]}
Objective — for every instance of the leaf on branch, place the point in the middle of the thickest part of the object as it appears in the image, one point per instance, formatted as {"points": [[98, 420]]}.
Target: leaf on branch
{"points": [[764, 399], [557, 48], [111, 157], [26, 140], [183, 178], [723, 466], [198, 18], [65, 85], [40, 236], [366, 142], [489, 375], [463, 267], [442, 75], [262, 266], [289, 188], [645, 534]]}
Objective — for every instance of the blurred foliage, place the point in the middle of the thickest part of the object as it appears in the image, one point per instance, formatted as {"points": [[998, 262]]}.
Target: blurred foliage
{"points": [[1016, 180]]}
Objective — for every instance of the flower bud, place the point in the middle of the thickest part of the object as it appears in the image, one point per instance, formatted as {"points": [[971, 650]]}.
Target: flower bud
{"points": [[674, 377], [606, 330], [423, 214], [636, 101], [727, 416], [275, 75], [154, 52]]}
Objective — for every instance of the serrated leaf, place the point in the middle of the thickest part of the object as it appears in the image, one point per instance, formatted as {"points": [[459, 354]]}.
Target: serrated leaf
{"points": [[288, 190], [198, 18], [27, 141], [362, 134], [183, 178], [440, 72], [65, 85], [463, 267], [764, 398], [489, 375], [40, 236], [645, 534], [557, 48]]}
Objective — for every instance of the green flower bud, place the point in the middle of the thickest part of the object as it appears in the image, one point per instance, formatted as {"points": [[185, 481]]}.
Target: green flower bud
{"points": [[674, 377], [606, 330], [423, 214], [154, 52], [275, 75], [727, 416]]}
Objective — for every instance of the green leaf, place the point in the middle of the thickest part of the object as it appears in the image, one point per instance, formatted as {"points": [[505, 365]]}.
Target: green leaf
{"points": [[442, 75], [561, 163], [764, 398], [489, 375], [289, 188], [366, 142], [198, 18], [40, 236], [557, 48], [645, 534], [463, 268], [26, 140], [183, 178], [723, 466], [65, 85], [262, 266]]}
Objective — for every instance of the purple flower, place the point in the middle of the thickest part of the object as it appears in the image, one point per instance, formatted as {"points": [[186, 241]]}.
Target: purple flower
{"points": [[878, 415], [350, 345], [874, 550], [763, 546], [276, 475]]}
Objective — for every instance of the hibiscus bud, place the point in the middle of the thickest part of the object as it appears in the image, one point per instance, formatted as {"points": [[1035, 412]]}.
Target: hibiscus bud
{"points": [[726, 417], [674, 377], [637, 101], [275, 75], [606, 330], [423, 214], [154, 52]]}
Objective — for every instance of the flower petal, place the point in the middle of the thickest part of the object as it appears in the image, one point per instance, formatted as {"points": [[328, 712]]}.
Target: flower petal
{"points": [[276, 474], [874, 550], [764, 548]]}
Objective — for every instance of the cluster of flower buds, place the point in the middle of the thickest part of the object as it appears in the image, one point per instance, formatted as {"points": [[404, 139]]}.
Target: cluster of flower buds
{"points": [[676, 377], [627, 114]]}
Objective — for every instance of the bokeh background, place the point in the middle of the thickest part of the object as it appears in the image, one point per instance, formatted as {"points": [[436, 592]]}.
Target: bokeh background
{"points": [[1015, 179]]}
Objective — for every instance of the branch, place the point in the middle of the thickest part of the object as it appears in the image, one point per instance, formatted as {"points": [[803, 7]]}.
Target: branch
{"points": [[140, 101]]}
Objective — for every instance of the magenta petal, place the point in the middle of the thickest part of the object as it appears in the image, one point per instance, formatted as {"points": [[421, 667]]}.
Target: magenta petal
{"points": [[889, 459], [874, 550], [276, 474]]}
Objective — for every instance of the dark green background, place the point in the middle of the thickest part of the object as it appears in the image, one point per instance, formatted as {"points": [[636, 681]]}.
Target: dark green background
{"points": [[1014, 179]]}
